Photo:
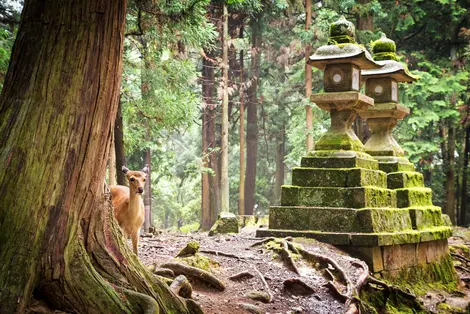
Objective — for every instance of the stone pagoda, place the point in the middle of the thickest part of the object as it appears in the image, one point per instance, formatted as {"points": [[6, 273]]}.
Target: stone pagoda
{"points": [[339, 195]]}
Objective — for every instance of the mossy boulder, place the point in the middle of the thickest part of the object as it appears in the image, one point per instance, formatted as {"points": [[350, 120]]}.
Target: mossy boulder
{"points": [[226, 223], [199, 261], [190, 249]]}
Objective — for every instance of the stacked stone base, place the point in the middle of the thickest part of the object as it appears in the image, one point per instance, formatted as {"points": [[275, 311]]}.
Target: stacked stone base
{"points": [[385, 218]]}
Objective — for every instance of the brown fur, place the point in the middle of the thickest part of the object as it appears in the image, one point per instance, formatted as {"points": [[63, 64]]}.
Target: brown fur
{"points": [[129, 206]]}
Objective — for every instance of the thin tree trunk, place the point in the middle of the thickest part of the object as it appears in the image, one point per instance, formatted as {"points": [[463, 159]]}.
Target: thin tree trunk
{"points": [[208, 145], [464, 192], [119, 147], [112, 163], [252, 116], [308, 78], [241, 189], [279, 164], [224, 186], [59, 237], [365, 22], [148, 191], [447, 133]]}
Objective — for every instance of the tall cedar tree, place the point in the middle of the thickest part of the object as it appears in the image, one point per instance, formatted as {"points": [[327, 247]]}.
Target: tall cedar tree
{"points": [[56, 115], [252, 115]]}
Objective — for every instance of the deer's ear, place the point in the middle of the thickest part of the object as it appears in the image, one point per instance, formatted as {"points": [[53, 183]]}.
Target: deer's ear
{"points": [[145, 169], [125, 169]]}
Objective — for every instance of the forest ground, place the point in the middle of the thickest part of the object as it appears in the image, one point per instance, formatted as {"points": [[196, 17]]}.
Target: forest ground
{"points": [[260, 260]]}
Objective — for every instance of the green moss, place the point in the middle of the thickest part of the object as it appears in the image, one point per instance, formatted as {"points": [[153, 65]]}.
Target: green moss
{"points": [[461, 249], [404, 179], [338, 141], [338, 177], [445, 308], [191, 248], [425, 217], [383, 220], [327, 159], [342, 27], [410, 197], [199, 261], [342, 39]]}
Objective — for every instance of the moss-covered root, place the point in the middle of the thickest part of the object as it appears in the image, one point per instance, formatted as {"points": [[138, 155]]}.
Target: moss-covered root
{"points": [[102, 275], [197, 273]]}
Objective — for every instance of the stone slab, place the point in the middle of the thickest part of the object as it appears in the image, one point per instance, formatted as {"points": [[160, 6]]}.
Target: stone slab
{"points": [[326, 161], [425, 217], [338, 177], [404, 179], [395, 166], [360, 197], [412, 197]]}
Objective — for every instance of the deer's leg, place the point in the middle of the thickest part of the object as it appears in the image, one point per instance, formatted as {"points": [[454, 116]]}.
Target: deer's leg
{"points": [[135, 241]]}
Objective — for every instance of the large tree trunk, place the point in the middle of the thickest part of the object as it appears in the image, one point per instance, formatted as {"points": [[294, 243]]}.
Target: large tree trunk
{"points": [[112, 163], [308, 78], [119, 147], [57, 109], [280, 151], [224, 186], [252, 116]]}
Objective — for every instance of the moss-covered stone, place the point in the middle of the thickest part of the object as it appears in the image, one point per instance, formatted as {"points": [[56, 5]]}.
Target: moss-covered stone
{"points": [[360, 197], [337, 177], [394, 166], [226, 223], [411, 197], [342, 27], [425, 217], [312, 218], [199, 261], [320, 160], [404, 179], [190, 249], [339, 141], [374, 220]]}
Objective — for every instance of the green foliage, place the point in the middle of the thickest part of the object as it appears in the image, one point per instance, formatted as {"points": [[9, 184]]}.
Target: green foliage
{"points": [[6, 43]]}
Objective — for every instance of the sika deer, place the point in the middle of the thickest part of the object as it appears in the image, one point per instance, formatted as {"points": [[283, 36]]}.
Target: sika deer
{"points": [[128, 204]]}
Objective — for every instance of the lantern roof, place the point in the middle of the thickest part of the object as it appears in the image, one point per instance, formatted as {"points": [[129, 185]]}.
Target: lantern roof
{"points": [[384, 52], [342, 48]]}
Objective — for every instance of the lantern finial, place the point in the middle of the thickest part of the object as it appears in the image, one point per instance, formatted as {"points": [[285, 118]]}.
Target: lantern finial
{"points": [[342, 32]]}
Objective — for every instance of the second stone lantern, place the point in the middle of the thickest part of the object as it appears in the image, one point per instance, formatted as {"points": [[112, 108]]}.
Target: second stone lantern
{"points": [[338, 194]]}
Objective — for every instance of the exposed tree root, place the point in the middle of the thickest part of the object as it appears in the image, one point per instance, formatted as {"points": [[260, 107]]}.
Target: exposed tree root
{"points": [[297, 286], [461, 257], [218, 253], [164, 272], [197, 273], [182, 287], [287, 257], [463, 268], [241, 276], [263, 241], [266, 286]]}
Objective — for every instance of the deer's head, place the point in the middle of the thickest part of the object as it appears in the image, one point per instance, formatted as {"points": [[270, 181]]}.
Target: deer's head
{"points": [[136, 179]]}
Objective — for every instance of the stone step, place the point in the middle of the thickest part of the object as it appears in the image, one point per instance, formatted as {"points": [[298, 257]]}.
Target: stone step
{"points": [[358, 197], [330, 219], [395, 166], [425, 217], [363, 239], [339, 162], [404, 179], [331, 177], [414, 197]]}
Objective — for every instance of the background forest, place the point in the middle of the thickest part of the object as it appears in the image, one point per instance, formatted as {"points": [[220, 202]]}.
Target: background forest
{"points": [[196, 70]]}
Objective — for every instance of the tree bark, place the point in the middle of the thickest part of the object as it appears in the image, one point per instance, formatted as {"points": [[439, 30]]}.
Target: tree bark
{"points": [[209, 204], [112, 163], [447, 133], [57, 111], [119, 147], [224, 186], [365, 22], [148, 191], [241, 189], [308, 78], [464, 192], [252, 116], [279, 164]]}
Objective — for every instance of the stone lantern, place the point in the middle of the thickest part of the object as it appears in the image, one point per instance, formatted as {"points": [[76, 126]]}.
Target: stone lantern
{"points": [[342, 61], [382, 85], [340, 196]]}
